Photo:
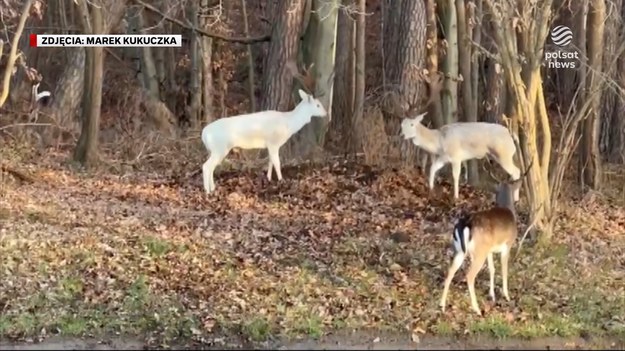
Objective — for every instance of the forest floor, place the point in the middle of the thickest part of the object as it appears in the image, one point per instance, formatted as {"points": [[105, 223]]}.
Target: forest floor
{"points": [[328, 250]]}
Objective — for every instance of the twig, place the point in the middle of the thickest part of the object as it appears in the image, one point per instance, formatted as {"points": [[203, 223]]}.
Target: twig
{"points": [[25, 124], [17, 174], [527, 231], [240, 40]]}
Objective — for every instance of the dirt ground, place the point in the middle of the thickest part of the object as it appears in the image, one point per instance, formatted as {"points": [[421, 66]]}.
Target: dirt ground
{"points": [[356, 341]]}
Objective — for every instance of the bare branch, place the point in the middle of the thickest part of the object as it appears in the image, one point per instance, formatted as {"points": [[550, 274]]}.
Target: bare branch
{"points": [[216, 36]]}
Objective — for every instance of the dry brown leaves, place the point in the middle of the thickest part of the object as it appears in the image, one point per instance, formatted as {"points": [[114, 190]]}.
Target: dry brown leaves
{"points": [[316, 246]]}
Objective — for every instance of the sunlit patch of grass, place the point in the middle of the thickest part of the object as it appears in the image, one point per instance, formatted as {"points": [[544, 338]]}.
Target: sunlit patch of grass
{"points": [[443, 328], [493, 325], [258, 329]]}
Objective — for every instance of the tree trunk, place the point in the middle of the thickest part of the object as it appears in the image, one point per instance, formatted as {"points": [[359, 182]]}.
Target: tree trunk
{"points": [[406, 75], [250, 60], [86, 149], [283, 48], [617, 137], [450, 66], [359, 63], [195, 78], [208, 103], [69, 88], [436, 110], [341, 124], [525, 83], [319, 48], [390, 39], [12, 57], [465, 58], [590, 156], [148, 67]]}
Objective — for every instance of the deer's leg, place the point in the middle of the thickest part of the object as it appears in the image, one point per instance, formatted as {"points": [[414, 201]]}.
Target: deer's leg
{"points": [[453, 268], [505, 256], [274, 157], [269, 169], [455, 168], [476, 265], [491, 271], [208, 170], [437, 164]]}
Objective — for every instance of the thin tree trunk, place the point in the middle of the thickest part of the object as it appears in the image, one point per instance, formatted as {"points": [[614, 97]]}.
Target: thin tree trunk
{"points": [[208, 98], [87, 147], [450, 66], [590, 154], [436, 110], [341, 126], [465, 59], [360, 66], [195, 78], [250, 60]]}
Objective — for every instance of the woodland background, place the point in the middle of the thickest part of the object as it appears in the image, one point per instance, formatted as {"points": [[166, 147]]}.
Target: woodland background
{"points": [[119, 144]]}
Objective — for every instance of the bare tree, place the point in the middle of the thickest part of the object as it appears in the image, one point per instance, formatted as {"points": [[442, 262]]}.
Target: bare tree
{"points": [[8, 71], [524, 81], [92, 22]]}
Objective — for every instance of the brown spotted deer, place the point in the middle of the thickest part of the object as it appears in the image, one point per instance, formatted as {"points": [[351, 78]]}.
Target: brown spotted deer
{"points": [[480, 235]]}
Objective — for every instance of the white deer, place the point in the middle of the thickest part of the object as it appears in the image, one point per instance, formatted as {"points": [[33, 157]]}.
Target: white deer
{"points": [[260, 130], [457, 142]]}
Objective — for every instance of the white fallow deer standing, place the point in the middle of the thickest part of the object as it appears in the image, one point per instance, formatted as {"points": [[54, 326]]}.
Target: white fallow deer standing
{"points": [[482, 234], [458, 142], [259, 130]]}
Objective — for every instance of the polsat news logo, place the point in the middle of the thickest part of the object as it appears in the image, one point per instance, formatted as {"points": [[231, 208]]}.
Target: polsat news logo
{"points": [[105, 40]]}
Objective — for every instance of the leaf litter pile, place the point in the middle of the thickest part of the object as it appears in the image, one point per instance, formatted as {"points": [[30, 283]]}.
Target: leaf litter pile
{"points": [[329, 248]]}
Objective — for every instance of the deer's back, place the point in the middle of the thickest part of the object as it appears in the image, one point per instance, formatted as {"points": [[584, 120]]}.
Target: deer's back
{"points": [[494, 228]]}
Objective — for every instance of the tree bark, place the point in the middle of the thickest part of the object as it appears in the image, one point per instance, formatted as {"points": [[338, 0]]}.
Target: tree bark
{"points": [[436, 110], [283, 48], [465, 58], [405, 77], [390, 36], [208, 99], [341, 124], [590, 156], [450, 65], [70, 86], [318, 48], [195, 78], [86, 149], [359, 81]]}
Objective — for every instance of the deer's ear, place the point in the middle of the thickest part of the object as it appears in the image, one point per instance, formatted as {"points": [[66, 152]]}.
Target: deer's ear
{"points": [[419, 118], [302, 94]]}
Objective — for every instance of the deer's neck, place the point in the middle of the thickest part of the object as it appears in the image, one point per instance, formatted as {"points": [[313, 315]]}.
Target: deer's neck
{"points": [[430, 139], [300, 116]]}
